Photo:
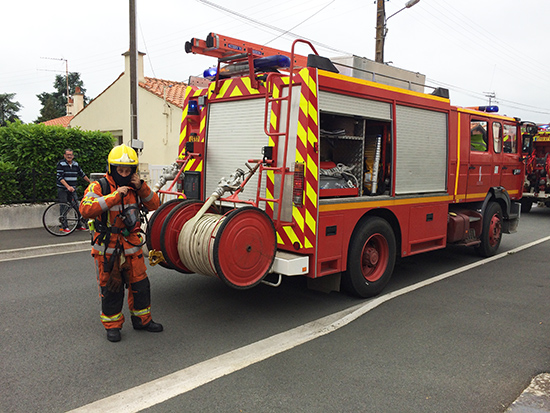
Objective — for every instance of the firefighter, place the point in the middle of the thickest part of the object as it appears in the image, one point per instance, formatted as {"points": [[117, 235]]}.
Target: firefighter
{"points": [[114, 203], [478, 138]]}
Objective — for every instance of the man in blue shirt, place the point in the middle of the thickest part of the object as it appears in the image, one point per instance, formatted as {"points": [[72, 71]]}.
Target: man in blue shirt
{"points": [[68, 172]]}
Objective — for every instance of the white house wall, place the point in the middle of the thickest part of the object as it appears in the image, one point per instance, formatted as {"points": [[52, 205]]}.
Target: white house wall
{"points": [[110, 112]]}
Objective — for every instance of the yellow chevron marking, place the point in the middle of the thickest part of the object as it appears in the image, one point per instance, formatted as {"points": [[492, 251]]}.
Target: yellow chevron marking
{"points": [[236, 92], [190, 164], [273, 120], [279, 239], [223, 89], [311, 137], [248, 84], [303, 104], [312, 167], [298, 218], [310, 221], [183, 133], [291, 235], [312, 86], [299, 157], [311, 194], [308, 243], [312, 113], [301, 132], [202, 124]]}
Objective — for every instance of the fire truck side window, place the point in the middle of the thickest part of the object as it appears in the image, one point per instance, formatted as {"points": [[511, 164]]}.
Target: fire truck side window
{"points": [[510, 142], [478, 135], [497, 137]]}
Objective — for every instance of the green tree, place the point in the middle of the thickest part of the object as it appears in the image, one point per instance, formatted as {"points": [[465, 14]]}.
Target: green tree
{"points": [[8, 108], [54, 104]]}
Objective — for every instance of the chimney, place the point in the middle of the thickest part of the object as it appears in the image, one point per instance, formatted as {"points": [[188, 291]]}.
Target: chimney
{"points": [[140, 75], [70, 106], [78, 101]]}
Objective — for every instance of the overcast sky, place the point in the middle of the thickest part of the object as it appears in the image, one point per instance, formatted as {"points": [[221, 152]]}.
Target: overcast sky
{"points": [[472, 47]]}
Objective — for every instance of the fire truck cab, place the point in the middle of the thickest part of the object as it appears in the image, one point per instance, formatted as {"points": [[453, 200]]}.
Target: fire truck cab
{"points": [[344, 175]]}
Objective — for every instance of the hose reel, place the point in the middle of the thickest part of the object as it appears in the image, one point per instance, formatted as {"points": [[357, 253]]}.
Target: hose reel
{"points": [[238, 247]]}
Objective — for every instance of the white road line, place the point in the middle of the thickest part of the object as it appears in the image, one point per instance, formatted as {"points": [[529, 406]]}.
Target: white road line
{"points": [[44, 250], [172, 385]]}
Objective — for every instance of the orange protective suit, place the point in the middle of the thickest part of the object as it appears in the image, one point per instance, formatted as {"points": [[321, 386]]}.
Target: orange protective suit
{"points": [[128, 260]]}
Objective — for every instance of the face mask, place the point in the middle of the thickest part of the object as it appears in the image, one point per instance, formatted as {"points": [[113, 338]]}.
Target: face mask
{"points": [[121, 180]]}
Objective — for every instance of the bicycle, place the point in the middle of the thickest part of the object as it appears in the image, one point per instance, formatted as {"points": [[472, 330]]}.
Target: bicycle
{"points": [[63, 218]]}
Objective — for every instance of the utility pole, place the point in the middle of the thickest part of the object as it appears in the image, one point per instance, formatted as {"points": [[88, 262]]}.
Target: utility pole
{"points": [[380, 29], [135, 142], [66, 75]]}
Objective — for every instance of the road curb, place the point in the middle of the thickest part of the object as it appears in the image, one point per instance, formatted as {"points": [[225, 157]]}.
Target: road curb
{"points": [[40, 251], [535, 398]]}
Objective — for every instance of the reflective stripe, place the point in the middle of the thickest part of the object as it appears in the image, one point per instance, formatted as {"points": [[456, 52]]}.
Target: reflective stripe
{"points": [[99, 249], [118, 207], [148, 197], [102, 204], [110, 319], [91, 195], [132, 250], [138, 313]]}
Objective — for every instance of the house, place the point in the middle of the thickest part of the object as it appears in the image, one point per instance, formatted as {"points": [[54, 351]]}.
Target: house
{"points": [[160, 107]]}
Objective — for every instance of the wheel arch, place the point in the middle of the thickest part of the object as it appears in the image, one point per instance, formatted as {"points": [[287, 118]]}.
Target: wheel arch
{"points": [[500, 195], [385, 214]]}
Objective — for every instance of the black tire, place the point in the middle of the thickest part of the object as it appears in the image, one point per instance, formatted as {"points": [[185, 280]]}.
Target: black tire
{"points": [[371, 258], [492, 230], [58, 216], [526, 205]]}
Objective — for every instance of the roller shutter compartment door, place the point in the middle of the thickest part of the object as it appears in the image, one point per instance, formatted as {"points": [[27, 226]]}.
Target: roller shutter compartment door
{"points": [[421, 151]]}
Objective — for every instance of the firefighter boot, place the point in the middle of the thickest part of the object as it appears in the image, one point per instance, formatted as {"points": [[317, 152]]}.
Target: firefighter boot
{"points": [[151, 326], [113, 334]]}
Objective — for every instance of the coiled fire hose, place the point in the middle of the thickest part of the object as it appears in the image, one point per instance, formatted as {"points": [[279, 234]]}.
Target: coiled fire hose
{"points": [[195, 242]]}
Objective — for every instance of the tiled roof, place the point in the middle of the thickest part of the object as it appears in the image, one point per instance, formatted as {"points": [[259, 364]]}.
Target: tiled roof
{"points": [[175, 91], [62, 121]]}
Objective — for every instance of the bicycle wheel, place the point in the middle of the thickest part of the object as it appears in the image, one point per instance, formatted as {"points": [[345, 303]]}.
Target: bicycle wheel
{"points": [[60, 219]]}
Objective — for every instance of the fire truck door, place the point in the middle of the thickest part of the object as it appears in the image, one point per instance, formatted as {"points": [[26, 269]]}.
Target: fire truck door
{"points": [[481, 165], [512, 177]]}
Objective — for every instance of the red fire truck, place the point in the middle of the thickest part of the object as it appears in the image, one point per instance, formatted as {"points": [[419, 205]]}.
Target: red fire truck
{"points": [[537, 183], [329, 177]]}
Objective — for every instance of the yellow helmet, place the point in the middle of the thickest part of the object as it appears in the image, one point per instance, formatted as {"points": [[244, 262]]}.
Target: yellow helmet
{"points": [[122, 155]]}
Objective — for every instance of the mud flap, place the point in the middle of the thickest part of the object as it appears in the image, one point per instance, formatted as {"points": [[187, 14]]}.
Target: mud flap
{"points": [[510, 223]]}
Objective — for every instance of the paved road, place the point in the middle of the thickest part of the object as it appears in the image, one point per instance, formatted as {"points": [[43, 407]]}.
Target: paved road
{"points": [[471, 342]]}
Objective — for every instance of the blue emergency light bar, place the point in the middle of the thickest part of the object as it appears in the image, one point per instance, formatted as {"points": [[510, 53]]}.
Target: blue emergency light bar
{"points": [[488, 109], [261, 63]]}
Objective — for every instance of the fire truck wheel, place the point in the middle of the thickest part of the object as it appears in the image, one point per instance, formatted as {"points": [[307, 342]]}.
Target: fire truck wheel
{"points": [[155, 225], [526, 205], [492, 230], [371, 258]]}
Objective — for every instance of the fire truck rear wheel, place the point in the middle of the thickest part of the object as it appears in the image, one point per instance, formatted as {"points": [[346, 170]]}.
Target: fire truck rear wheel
{"points": [[492, 230], [371, 258]]}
